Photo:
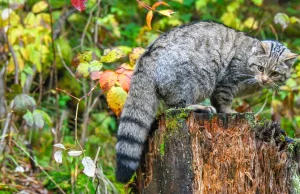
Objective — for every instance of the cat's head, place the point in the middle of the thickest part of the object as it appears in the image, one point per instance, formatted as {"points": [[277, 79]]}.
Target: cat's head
{"points": [[271, 63]]}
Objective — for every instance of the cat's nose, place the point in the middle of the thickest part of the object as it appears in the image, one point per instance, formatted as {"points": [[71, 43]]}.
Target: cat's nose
{"points": [[264, 79]]}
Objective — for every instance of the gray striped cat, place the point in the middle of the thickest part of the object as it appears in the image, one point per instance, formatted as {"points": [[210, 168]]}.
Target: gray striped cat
{"points": [[188, 64]]}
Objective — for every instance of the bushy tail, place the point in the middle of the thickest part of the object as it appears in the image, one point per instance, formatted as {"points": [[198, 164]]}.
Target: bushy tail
{"points": [[135, 122]]}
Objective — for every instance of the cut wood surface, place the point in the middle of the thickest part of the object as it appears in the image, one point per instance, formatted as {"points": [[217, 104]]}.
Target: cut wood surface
{"points": [[201, 153]]}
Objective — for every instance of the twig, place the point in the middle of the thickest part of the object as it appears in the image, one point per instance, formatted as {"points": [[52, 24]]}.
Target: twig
{"points": [[96, 24], [13, 54], [6, 127], [274, 31], [61, 21], [64, 63], [37, 164], [86, 27]]}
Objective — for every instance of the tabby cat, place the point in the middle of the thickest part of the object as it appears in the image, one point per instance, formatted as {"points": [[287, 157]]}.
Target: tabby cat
{"points": [[188, 64]]}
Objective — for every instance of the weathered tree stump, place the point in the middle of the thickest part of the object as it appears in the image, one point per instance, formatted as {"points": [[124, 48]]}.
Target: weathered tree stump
{"points": [[201, 153]]}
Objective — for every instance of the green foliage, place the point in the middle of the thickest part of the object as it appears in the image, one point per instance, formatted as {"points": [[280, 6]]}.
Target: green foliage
{"points": [[110, 34]]}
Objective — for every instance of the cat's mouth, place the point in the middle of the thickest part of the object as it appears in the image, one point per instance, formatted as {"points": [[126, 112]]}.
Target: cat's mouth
{"points": [[263, 80]]}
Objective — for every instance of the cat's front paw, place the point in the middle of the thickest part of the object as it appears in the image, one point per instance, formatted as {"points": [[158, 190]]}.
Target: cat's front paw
{"points": [[202, 109]]}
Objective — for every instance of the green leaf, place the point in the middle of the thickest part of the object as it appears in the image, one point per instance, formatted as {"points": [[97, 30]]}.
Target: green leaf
{"points": [[112, 55], [28, 119], [22, 104], [257, 2], [84, 69], [282, 19], [38, 119], [39, 6]]}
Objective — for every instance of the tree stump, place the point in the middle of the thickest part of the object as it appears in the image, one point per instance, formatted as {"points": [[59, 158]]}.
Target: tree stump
{"points": [[194, 153]]}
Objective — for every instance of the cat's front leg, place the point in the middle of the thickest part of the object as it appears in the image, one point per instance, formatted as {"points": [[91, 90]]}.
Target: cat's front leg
{"points": [[222, 98]]}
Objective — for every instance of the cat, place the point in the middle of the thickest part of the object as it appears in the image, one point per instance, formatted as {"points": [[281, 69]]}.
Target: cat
{"points": [[188, 64]]}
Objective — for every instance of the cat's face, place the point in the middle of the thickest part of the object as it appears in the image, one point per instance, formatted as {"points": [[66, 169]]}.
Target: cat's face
{"points": [[271, 63]]}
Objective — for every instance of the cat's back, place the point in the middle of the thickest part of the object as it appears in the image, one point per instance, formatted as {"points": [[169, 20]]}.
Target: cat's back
{"points": [[194, 33]]}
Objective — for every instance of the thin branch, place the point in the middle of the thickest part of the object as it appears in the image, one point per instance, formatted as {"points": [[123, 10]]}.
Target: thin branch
{"points": [[13, 54], [86, 27], [96, 25]]}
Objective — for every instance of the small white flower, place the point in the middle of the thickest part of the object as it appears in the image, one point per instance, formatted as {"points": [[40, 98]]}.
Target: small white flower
{"points": [[5, 13]]}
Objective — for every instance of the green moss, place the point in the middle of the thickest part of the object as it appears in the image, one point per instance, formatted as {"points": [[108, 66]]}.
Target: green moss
{"points": [[251, 119], [175, 117], [295, 146], [162, 148]]}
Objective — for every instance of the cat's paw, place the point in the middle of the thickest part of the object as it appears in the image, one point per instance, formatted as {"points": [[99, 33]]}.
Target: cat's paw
{"points": [[202, 109]]}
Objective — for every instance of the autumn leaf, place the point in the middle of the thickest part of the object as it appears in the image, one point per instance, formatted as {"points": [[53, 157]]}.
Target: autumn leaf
{"points": [[79, 4], [96, 75], [39, 6], [112, 55], [124, 81], [116, 97], [158, 4], [135, 54], [167, 12], [86, 68], [149, 19], [107, 80]]}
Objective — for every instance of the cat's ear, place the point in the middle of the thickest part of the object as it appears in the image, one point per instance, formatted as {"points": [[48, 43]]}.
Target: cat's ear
{"points": [[290, 59], [265, 46], [260, 48]]}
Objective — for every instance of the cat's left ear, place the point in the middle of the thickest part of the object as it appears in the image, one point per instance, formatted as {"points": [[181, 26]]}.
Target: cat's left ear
{"points": [[265, 46], [260, 48], [290, 59]]}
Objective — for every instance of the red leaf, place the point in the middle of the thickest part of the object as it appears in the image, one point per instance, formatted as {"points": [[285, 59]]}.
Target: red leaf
{"points": [[79, 4], [107, 80]]}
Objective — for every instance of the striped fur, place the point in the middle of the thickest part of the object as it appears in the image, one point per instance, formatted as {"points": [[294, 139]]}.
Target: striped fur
{"points": [[188, 64]]}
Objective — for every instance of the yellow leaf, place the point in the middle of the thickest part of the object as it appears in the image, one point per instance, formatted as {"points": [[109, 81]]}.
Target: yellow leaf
{"points": [[149, 19], [116, 98], [251, 23], [30, 20], [39, 6], [135, 54], [158, 4], [167, 12], [112, 55]]}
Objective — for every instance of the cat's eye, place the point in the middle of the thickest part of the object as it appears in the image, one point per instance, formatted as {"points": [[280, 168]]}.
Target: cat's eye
{"points": [[260, 68], [274, 74]]}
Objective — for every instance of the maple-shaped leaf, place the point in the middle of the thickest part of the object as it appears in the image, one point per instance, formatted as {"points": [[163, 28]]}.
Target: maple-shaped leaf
{"points": [[79, 4], [116, 97], [107, 80]]}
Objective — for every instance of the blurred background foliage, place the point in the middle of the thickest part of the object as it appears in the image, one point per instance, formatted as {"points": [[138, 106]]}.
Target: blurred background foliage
{"points": [[32, 63]]}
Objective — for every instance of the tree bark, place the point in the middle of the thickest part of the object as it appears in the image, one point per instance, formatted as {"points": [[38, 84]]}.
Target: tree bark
{"points": [[221, 153]]}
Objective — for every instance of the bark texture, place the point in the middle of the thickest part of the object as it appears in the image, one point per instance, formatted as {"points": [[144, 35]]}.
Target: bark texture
{"points": [[201, 153]]}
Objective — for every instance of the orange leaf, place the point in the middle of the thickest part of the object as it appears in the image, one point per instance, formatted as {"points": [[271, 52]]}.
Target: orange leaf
{"points": [[124, 67], [124, 80], [149, 19], [158, 4], [107, 80], [167, 12], [116, 98], [95, 75]]}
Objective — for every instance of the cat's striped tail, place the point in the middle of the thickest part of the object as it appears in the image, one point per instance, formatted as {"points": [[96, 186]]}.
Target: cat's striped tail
{"points": [[137, 116]]}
